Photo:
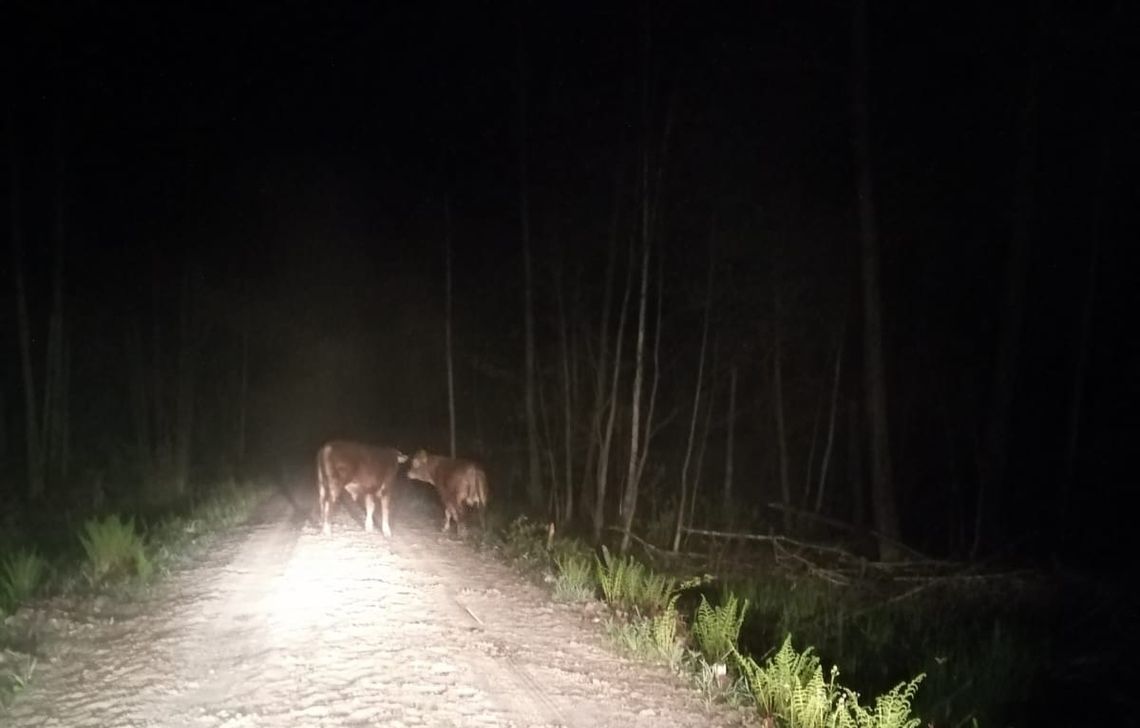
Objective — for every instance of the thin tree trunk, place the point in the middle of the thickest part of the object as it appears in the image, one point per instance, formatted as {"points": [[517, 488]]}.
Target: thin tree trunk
{"points": [[697, 390], [650, 416], [699, 465], [629, 499], [822, 487], [55, 410], [243, 392], [534, 485], [553, 502], [160, 456], [601, 482], [778, 412], [64, 452], [729, 446], [32, 442], [184, 395], [809, 468], [995, 457], [600, 379], [447, 326], [1076, 405], [3, 426], [140, 409], [882, 483], [567, 400], [855, 466]]}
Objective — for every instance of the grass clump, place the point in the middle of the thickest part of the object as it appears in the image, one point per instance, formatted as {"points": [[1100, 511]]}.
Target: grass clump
{"points": [[114, 550], [654, 639], [15, 672], [21, 574], [525, 541], [630, 587], [575, 579]]}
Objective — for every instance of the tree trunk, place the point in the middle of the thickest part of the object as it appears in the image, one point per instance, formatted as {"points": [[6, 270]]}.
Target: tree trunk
{"points": [[699, 466], [3, 427], [809, 467], [855, 467], [995, 457], [600, 379], [629, 499], [697, 390], [1076, 403], [55, 391], [822, 487], [243, 391], [567, 400], [882, 483], [601, 481], [447, 326], [534, 485], [651, 407], [778, 412], [554, 504], [729, 447], [138, 387], [33, 446], [184, 394]]}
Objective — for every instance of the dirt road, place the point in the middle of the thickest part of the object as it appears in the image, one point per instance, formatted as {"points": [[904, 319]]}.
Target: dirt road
{"points": [[283, 627]]}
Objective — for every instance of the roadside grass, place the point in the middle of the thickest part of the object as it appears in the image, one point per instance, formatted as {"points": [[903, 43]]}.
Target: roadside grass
{"points": [[114, 550], [21, 574], [973, 653], [105, 555]]}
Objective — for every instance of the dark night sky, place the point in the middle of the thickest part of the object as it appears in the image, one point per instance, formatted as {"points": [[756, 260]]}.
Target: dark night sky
{"points": [[300, 152]]}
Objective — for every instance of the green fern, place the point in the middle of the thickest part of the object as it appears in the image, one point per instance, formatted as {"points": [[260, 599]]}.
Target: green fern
{"points": [[790, 687], [620, 578], [892, 709], [655, 593], [717, 629]]}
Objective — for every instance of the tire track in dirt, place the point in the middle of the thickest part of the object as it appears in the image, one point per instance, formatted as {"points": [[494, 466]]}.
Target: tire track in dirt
{"points": [[284, 627]]}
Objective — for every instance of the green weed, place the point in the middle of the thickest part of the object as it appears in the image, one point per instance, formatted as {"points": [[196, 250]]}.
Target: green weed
{"points": [[575, 580], [114, 550], [21, 574], [717, 629]]}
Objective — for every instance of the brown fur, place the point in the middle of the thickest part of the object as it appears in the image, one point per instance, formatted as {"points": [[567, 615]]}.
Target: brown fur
{"points": [[458, 481], [360, 470]]}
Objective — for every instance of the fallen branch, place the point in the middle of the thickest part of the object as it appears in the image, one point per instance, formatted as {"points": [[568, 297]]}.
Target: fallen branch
{"points": [[773, 539], [836, 523]]}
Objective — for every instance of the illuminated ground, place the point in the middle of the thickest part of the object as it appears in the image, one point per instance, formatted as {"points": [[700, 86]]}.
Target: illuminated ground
{"points": [[282, 627]]}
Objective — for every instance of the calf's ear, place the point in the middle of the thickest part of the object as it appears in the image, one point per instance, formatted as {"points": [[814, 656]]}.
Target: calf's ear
{"points": [[401, 457]]}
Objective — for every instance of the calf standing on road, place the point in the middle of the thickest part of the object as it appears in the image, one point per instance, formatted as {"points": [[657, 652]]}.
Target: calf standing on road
{"points": [[458, 481], [360, 470]]}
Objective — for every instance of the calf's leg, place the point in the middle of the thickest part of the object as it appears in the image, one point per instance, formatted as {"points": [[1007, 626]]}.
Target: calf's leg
{"points": [[328, 501], [384, 515], [369, 509]]}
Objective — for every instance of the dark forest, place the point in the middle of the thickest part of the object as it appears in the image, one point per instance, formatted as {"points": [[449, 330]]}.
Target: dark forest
{"points": [[843, 272]]}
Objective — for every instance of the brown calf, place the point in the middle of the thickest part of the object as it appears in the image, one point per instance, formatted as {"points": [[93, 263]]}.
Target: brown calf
{"points": [[360, 470], [459, 482]]}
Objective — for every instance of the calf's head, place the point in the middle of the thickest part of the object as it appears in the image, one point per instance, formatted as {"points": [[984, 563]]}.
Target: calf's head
{"points": [[419, 469]]}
